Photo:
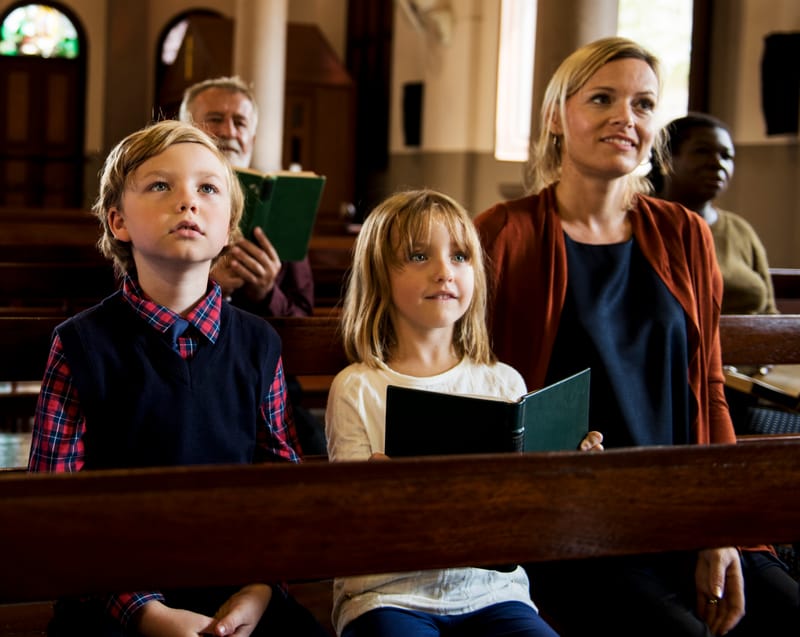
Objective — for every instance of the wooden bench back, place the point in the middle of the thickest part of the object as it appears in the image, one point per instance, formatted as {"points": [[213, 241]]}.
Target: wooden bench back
{"points": [[39, 248], [68, 285], [226, 525], [312, 346], [786, 285], [759, 339]]}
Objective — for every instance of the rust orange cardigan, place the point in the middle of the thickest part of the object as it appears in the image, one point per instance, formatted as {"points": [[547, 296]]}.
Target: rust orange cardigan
{"points": [[527, 268]]}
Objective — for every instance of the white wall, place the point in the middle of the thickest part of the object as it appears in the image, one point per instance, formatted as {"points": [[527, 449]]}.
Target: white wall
{"points": [[739, 48], [459, 79]]}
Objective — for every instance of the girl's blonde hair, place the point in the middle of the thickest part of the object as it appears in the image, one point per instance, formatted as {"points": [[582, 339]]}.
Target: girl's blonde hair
{"points": [[389, 233], [131, 153], [544, 163]]}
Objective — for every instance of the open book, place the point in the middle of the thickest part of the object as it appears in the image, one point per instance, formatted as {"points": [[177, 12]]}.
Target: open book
{"points": [[421, 423], [284, 204], [775, 383]]}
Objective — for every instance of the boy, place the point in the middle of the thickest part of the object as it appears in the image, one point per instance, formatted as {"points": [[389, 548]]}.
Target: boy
{"points": [[163, 373]]}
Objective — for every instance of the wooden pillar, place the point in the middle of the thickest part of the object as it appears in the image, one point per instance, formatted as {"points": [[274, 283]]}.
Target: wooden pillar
{"points": [[561, 27], [260, 57]]}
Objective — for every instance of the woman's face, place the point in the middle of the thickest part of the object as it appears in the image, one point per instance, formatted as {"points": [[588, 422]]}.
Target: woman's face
{"points": [[609, 123], [703, 164]]}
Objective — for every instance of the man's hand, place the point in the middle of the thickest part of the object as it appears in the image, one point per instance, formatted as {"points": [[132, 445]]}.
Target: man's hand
{"points": [[249, 266], [720, 589]]}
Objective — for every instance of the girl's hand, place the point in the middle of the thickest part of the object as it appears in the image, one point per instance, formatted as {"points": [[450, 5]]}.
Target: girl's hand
{"points": [[593, 441]]}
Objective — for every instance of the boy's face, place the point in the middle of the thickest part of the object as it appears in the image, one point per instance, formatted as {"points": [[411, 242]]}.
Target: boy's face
{"points": [[176, 208]]}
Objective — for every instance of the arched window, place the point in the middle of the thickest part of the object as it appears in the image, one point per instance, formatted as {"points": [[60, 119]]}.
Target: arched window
{"points": [[38, 30], [663, 26], [194, 46], [672, 44]]}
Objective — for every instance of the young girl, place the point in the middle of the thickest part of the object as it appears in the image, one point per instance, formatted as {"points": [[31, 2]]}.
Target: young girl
{"points": [[414, 316]]}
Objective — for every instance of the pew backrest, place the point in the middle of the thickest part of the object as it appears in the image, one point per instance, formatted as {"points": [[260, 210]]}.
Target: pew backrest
{"points": [[786, 286], [199, 526], [311, 345], [760, 339]]}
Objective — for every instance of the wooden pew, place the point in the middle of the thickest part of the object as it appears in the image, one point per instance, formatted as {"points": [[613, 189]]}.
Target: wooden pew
{"points": [[409, 513], [312, 346], [760, 339], [312, 351], [50, 260], [40, 247], [572, 519], [786, 284], [330, 258], [65, 285]]}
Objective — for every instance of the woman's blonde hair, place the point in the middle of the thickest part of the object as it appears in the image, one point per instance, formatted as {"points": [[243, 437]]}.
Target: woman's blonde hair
{"points": [[544, 163], [389, 233], [131, 153]]}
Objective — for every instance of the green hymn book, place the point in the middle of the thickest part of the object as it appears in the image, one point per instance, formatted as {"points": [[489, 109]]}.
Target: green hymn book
{"points": [[423, 423], [284, 205]]}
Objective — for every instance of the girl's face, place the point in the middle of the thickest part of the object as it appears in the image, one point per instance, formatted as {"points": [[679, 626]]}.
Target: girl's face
{"points": [[176, 208], [609, 125], [434, 285]]}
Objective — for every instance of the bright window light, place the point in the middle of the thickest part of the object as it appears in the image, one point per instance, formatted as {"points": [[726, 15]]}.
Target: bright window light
{"points": [[665, 28], [515, 80]]}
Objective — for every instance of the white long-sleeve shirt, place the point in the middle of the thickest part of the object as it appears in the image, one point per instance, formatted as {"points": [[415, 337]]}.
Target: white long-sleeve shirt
{"points": [[355, 425]]}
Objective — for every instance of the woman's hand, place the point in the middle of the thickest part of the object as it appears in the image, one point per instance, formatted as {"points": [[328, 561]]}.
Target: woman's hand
{"points": [[720, 588]]}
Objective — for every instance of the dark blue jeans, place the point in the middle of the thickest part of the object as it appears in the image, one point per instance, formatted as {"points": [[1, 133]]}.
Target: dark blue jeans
{"points": [[507, 619]]}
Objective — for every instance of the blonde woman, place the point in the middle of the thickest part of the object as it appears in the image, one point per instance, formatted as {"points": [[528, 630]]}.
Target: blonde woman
{"points": [[587, 271]]}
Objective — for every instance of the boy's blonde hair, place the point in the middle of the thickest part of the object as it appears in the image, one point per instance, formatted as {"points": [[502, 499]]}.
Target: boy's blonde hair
{"points": [[544, 163], [389, 232], [131, 153]]}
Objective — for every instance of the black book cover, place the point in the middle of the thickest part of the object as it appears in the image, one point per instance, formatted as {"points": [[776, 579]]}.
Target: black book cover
{"points": [[420, 422]]}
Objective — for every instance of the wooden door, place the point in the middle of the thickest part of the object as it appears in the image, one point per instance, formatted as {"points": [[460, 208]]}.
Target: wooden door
{"points": [[41, 132]]}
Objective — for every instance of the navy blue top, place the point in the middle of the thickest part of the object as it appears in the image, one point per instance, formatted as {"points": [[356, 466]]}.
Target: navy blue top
{"points": [[145, 405], [620, 320]]}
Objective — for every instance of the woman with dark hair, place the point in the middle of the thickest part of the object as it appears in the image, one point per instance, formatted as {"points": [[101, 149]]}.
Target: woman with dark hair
{"points": [[698, 169]]}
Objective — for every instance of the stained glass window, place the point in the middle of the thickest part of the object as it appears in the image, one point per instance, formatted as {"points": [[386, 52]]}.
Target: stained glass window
{"points": [[38, 30]]}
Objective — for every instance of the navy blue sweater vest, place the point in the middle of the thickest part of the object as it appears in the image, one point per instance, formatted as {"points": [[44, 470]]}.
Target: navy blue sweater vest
{"points": [[146, 406]]}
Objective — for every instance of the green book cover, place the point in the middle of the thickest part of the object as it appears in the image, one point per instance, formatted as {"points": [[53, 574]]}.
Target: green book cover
{"points": [[284, 205], [420, 422]]}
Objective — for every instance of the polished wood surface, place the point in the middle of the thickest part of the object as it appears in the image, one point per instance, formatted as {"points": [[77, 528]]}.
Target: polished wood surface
{"points": [[49, 259], [760, 339], [224, 525]]}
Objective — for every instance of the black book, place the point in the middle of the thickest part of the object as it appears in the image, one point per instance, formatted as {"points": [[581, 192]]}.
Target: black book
{"points": [[423, 423]]}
